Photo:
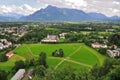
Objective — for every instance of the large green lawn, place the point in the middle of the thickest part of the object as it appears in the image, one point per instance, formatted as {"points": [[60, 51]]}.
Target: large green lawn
{"points": [[76, 55]]}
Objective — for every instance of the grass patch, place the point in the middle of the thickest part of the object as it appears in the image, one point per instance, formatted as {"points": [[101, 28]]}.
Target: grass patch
{"points": [[76, 55]]}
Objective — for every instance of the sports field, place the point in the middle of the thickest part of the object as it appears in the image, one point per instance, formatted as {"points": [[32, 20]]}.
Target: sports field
{"points": [[76, 55]]}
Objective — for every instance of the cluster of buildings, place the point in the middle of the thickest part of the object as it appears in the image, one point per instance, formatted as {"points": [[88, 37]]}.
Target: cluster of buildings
{"points": [[13, 29], [21, 74], [14, 32], [4, 44], [112, 51]]}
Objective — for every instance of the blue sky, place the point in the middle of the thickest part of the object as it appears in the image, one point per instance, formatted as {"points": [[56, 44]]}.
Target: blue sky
{"points": [[32, 3], [27, 7]]}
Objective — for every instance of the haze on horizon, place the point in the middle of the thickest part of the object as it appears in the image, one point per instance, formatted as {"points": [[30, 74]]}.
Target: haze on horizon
{"points": [[27, 7]]}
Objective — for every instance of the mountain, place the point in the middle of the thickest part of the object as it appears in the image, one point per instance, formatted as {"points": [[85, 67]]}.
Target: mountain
{"points": [[115, 18], [57, 14], [52, 13], [9, 16], [97, 16]]}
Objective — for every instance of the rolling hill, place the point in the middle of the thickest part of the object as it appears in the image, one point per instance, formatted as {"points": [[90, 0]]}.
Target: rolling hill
{"points": [[76, 55]]}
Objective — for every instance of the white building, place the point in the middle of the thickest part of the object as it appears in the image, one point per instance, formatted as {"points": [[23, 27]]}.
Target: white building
{"points": [[1, 46], [113, 53], [50, 38], [62, 35]]}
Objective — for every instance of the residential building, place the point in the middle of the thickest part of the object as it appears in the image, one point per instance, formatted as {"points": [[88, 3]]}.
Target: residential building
{"points": [[62, 35], [19, 75], [96, 45], [50, 38], [9, 54], [113, 53]]}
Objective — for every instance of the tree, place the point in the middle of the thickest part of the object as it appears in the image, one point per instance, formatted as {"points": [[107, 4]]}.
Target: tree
{"points": [[3, 58], [42, 59], [61, 52], [18, 65], [3, 75], [40, 71], [102, 50], [114, 39], [58, 53], [115, 74]]}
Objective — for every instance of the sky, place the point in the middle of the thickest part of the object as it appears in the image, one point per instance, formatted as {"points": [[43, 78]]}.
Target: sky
{"points": [[27, 7]]}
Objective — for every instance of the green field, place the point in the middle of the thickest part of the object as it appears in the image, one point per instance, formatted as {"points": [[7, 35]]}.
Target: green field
{"points": [[76, 55]]}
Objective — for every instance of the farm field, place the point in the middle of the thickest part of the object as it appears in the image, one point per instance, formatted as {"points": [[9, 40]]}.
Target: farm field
{"points": [[75, 54]]}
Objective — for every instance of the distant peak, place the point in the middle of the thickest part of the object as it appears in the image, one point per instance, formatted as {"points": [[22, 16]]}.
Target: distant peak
{"points": [[50, 6]]}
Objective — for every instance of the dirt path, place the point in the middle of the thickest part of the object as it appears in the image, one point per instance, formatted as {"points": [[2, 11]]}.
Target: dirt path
{"points": [[67, 59], [30, 51]]}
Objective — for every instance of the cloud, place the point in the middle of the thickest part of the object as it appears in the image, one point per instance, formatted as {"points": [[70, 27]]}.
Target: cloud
{"points": [[101, 6], [116, 2], [64, 3], [107, 7], [24, 9]]}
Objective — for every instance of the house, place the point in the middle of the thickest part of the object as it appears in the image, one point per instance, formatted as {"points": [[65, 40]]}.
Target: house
{"points": [[19, 75], [9, 54], [103, 46], [4, 44], [96, 45], [28, 75], [62, 35], [1, 46], [113, 47], [50, 38], [113, 53], [3, 40]]}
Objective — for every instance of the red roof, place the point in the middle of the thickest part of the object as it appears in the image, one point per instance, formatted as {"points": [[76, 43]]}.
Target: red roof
{"points": [[9, 54]]}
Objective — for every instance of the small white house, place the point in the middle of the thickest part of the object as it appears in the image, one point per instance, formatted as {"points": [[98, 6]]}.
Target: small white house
{"points": [[62, 35], [1, 46]]}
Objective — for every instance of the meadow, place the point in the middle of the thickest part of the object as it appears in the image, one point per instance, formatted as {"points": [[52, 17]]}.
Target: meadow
{"points": [[75, 54]]}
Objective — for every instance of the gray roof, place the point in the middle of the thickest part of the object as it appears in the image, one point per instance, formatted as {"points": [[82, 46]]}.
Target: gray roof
{"points": [[1, 45], [18, 75]]}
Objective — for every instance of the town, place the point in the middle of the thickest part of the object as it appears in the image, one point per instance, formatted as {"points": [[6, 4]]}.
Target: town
{"points": [[23, 46]]}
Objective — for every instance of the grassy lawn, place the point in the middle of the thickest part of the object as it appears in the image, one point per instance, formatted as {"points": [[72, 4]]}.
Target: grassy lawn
{"points": [[49, 48], [76, 55], [10, 63], [52, 62], [70, 64], [51, 29], [85, 56]]}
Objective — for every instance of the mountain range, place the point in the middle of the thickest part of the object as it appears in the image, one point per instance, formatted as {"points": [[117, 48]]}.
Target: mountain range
{"points": [[52, 13]]}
